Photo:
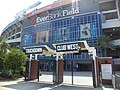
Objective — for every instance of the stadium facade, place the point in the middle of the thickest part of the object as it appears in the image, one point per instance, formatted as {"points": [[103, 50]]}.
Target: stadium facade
{"points": [[67, 21]]}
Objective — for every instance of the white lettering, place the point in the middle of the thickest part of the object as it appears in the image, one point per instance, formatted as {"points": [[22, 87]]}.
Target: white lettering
{"points": [[58, 48], [72, 46], [77, 11], [65, 13], [67, 47], [34, 50], [61, 48], [70, 13], [58, 15]]}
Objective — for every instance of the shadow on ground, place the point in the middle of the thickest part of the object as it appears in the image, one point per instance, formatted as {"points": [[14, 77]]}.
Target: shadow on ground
{"points": [[34, 85]]}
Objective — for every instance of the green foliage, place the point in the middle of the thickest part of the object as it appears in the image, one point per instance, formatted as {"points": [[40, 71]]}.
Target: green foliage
{"points": [[104, 43], [3, 46], [11, 60], [7, 73], [2, 59], [14, 62], [3, 50]]}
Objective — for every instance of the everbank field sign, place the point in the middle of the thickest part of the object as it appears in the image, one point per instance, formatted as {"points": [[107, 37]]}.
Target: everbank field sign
{"points": [[58, 15]]}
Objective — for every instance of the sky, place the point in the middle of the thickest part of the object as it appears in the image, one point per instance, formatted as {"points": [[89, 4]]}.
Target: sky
{"points": [[9, 8]]}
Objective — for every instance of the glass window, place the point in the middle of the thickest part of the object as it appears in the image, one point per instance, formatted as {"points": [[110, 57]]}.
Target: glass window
{"points": [[85, 19], [65, 23], [68, 21], [53, 24], [93, 18], [67, 29], [89, 18], [59, 24], [81, 20]]}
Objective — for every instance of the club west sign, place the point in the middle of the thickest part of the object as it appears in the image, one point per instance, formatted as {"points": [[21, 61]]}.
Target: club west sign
{"points": [[58, 15], [67, 47], [81, 46]]}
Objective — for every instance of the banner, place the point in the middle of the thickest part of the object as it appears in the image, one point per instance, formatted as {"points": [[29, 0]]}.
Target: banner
{"points": [[63, 34], [27, 39], [42, 37], [85, 31]]}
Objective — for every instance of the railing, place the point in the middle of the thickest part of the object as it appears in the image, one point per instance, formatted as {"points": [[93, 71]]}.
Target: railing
{"points": [[116, 81]]}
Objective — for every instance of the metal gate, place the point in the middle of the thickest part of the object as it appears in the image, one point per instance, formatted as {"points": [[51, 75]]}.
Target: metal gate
{"points": [[79, 72], [47, 70], [116, 73]]}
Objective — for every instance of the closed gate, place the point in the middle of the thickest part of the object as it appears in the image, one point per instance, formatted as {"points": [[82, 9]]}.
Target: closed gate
{"points": [[47, 70], [79, 72]]}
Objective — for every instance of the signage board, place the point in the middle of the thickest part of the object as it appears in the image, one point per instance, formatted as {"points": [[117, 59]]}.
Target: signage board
{"points": [[71, 47], [106, 71], [68, 47], [58, 15], [33, 50]]}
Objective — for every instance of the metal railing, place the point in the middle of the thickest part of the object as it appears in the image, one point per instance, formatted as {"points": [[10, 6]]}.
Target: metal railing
{"points": [[116, 81]]}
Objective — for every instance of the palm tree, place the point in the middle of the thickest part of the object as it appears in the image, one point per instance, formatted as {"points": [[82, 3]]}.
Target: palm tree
{"points": [[104, 43]]}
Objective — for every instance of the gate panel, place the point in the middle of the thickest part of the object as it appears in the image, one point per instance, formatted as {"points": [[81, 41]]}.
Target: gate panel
{"points": [[47, 70], [78, 72]]}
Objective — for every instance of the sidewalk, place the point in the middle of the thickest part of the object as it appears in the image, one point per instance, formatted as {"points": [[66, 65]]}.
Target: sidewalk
{"points": [[20, 84], [107, 87]]}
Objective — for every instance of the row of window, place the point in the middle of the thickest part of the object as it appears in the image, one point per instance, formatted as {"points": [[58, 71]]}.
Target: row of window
{"points": [[41, 34], [68, 22], [80, 56]]}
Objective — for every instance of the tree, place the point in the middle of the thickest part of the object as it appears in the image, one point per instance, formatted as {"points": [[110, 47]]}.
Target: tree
{"points": [[3, 46], [104, 43], [14, 62], [3, 50]]}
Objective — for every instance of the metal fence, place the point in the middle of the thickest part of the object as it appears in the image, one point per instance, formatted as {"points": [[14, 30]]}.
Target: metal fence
{"points": [[116, 81]]}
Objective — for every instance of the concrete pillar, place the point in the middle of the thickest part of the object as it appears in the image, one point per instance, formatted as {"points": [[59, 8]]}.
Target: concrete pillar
{"points": [[92, 52], [117, 7], [59, 69], [34, 69], [57, 57]]}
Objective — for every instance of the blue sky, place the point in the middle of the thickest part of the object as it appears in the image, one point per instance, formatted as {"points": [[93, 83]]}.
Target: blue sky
{"points": [[9, 8]]}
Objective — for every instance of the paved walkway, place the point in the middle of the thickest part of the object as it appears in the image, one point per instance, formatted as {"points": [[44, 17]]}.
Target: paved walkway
{"points": [[20, 84], [82, 81]]}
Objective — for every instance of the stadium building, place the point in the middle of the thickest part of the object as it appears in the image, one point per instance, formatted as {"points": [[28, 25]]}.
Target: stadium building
{"points": [[68, 21]]}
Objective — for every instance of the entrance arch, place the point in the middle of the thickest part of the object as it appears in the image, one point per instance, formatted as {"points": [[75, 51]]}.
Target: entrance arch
{"points": [[65, 48]]}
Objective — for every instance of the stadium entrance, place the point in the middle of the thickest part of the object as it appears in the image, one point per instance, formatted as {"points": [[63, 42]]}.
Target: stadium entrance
{"points": [[55, 67]]}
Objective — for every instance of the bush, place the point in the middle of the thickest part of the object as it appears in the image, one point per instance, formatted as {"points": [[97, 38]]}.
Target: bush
{"points": [[14, 63], [7, 73], [2, 59]]}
